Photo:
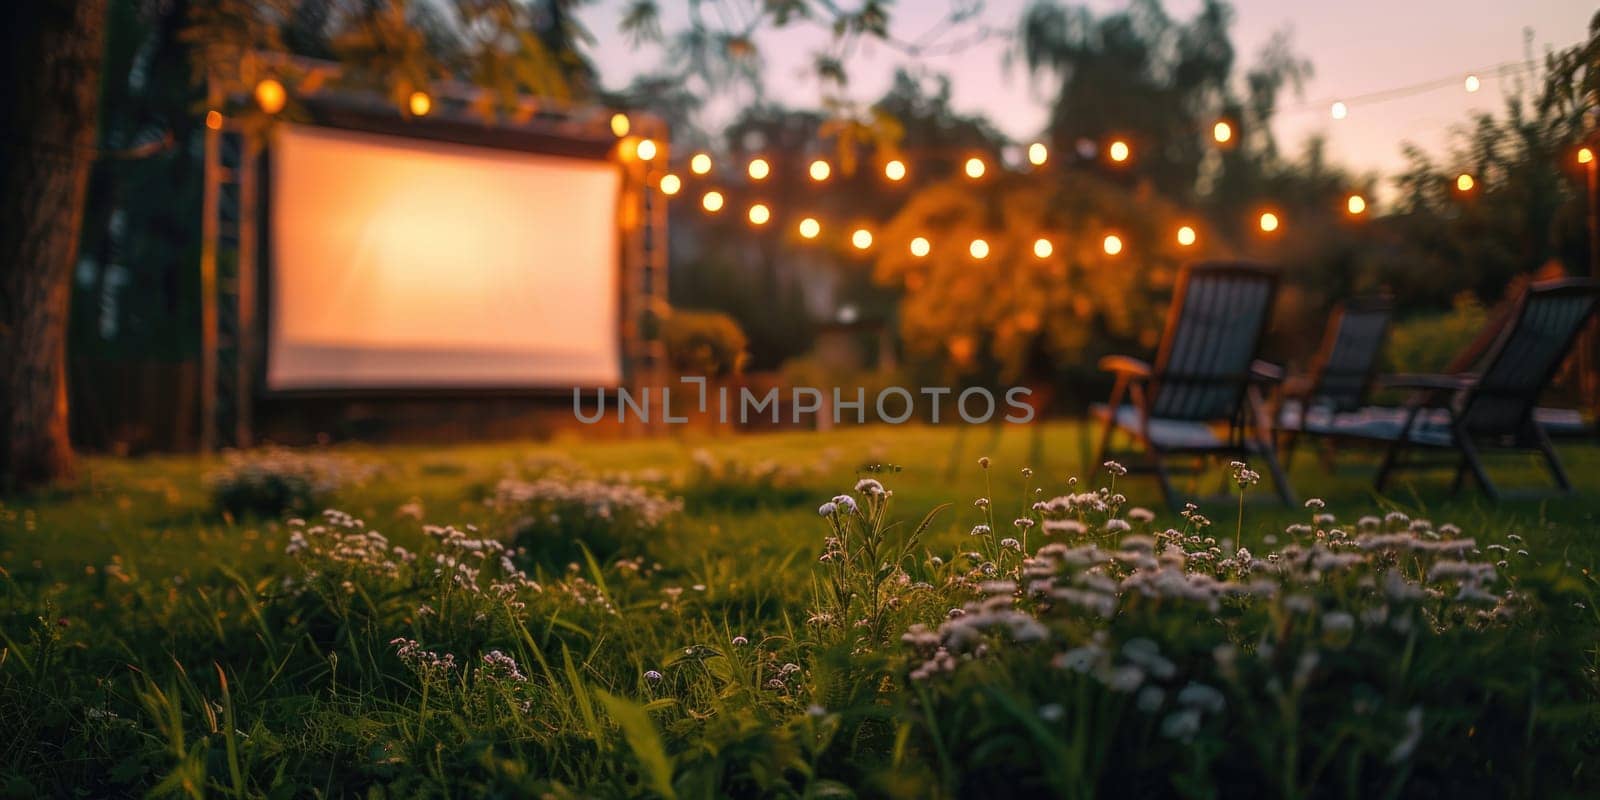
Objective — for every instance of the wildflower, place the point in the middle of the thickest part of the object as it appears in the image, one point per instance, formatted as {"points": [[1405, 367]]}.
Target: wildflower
{"points": [[983, 462], [1115, 525], [500, 666], [1115, 468], [1243, 475], [1150, 698], [1338, 622], [827, 510], [1123, 679], [740, 641], [982, 502], [1052, 712], [1141, 515], [1181, 725], [1410, 738], [1316, 504], [980, 530], [1023, 523], [869, 487], [1011, 544], [1201, 696], [652, 676], [845, 503]]}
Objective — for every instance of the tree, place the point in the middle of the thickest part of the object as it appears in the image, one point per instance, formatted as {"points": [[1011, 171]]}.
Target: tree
{"points": [[48, 114]]}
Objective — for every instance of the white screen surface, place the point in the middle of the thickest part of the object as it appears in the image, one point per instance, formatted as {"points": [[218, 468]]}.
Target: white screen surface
{"points": [[401, 263]]}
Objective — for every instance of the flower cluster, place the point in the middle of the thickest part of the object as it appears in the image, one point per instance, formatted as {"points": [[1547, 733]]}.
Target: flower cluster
{"points": [[272, 481], [340, 545]]}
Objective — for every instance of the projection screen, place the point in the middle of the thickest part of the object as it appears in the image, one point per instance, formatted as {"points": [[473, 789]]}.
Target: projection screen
{"points": [[404, 264]]}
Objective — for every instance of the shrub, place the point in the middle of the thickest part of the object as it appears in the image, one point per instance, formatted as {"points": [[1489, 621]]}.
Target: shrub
{"points": [[705, 344], [1428, 343], [277, 481], [1389, 656], [554, 518], [733, 484]]}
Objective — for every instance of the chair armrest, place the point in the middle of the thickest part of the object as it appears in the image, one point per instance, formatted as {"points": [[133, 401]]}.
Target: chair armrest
{"points": [[1443, 383], [1125, 366], [1266, 372]]}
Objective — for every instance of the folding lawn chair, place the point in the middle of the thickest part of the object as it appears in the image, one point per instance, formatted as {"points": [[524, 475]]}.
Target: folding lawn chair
{"points": [[1334, 393], [1203, 396], [1494, 408]]}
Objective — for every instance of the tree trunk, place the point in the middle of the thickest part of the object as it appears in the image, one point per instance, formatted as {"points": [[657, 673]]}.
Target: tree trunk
{"points": [[49, 101]]}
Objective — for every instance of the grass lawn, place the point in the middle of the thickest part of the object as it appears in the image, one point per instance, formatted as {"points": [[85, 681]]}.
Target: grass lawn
{"points": [[152, 642]]}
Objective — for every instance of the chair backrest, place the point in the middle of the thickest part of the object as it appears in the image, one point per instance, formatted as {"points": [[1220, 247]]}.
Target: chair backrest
{"points": [[1544, 325], [1344, 367], [1214, 330]]}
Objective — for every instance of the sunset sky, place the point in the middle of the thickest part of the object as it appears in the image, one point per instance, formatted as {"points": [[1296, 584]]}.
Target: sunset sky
{"points": [[1355, 46]]}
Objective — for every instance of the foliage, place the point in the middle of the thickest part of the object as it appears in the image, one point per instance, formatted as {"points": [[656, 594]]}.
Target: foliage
{"points": [[704, 344], [1430, 342], [271, 482], [329, 656], [1015, 314], [556, 518], [733, 484]]}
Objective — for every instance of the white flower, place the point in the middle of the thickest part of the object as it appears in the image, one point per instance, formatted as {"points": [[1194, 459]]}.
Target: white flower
{"points": [[652, 676], [827, 510], [1410, 738], [1202, 697], [1150, 699]]}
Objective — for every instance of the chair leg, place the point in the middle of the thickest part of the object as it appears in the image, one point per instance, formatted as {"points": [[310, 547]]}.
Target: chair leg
{"points": [[1469, 453], [1553, 461], [1391, 462], [1163, 479], [1461, 476], [1291, 438], [1280, 480]]}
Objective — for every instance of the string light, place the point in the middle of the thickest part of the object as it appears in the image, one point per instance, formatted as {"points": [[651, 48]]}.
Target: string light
{"points": [[1119, 151], [1042, 248], [670, 184], [1473, 84], [1356, 205], [1186, 236], [1268, 222], [760, 214], [820, 170], [759, 169], [1585, 155], [647, 149], [975, 168], [895, 170], [1222, 132], [920, 247], [711, 201], [1112, 244], [862, 238], [1038, 154], [810, 227], [420, 104], [214, 122], [620, 124], [1464, 182], [1339, 111], [700, 164], [271, 96], [979, 249]]}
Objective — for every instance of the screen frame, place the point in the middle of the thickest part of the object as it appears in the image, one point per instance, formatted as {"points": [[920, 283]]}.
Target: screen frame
{"points": [[351, 114]]}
